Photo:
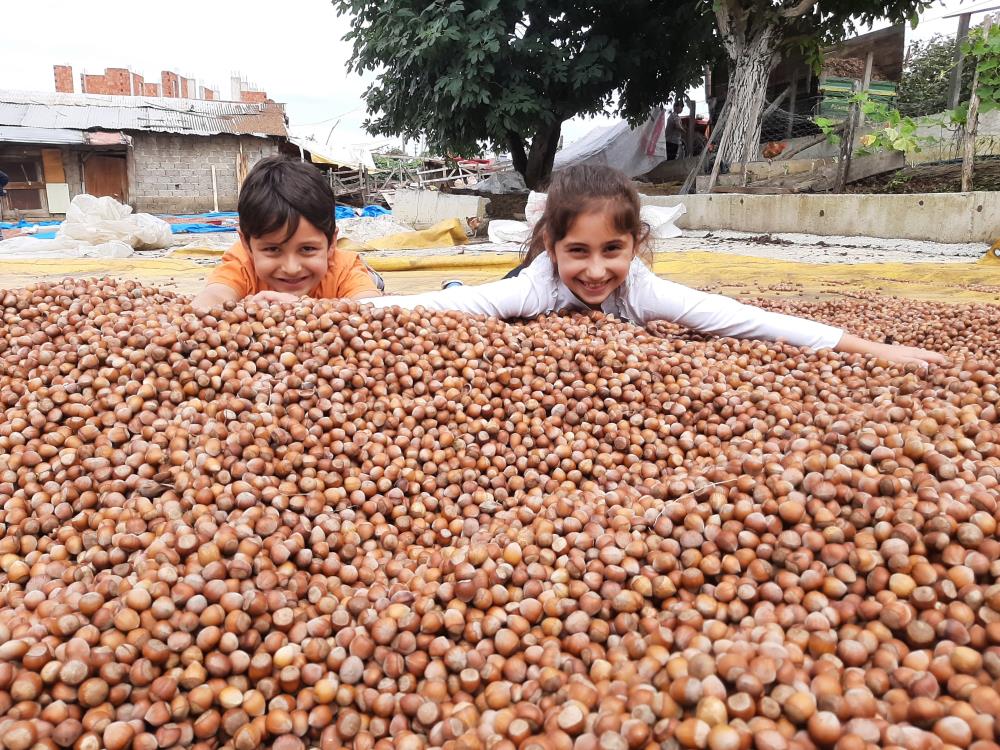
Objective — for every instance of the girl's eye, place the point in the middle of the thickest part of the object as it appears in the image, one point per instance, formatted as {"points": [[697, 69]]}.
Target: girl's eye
{"points": [[578, 250]]}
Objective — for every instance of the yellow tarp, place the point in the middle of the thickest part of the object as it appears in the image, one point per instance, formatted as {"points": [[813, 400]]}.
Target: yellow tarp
{"points": [[728, 274], [447, 233], [992, 255]]}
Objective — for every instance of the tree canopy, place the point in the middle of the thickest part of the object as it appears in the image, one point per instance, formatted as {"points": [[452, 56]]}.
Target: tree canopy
{"points": [[508, 73], [927, 77]]}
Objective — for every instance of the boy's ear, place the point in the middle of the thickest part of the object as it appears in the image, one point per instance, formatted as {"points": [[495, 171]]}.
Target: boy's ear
{"points": [[333, 243], [244, 240]]}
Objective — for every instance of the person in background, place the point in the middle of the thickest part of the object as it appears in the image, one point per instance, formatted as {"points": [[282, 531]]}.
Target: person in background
{"points": [[674, 134]]}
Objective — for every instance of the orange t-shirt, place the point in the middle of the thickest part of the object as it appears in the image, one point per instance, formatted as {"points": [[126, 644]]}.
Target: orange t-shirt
{"points": [[346, 276]]}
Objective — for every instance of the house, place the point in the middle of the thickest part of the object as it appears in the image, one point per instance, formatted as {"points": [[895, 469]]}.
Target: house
{"points": [[158, 154]]}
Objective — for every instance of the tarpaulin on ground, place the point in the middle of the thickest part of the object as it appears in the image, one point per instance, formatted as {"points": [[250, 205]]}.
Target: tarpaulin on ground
{"points": [[447, 233], [198, 228], [347, 212], [22, 224], [634, 151]]}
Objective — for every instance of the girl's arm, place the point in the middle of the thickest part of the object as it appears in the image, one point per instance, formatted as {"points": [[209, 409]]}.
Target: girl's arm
{"points": [[659, 299], [517, 297], [892, 352]]}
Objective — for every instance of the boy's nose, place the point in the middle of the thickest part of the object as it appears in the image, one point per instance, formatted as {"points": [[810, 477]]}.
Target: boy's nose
{"points": [[291, 266]]}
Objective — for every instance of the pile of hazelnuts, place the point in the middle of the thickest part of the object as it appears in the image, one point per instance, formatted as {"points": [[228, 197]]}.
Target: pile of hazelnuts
{"points": [[324, 526]]}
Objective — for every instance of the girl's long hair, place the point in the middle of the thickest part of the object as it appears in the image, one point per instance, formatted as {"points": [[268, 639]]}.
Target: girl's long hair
{"points": [[582, 189]]}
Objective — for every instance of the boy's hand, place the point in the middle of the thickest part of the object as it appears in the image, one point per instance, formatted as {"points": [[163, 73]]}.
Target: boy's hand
{"points": [[273, 298]]}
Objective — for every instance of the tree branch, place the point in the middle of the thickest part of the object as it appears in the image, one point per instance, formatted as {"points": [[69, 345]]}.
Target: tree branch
{"points": [[801, 9]]}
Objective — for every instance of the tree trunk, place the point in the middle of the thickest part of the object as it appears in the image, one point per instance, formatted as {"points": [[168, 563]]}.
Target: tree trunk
{"points": [[541, 155], [752, 61], [517, 154]]}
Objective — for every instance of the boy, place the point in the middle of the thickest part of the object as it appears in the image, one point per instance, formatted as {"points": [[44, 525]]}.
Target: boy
{"points": [[288, 243]]}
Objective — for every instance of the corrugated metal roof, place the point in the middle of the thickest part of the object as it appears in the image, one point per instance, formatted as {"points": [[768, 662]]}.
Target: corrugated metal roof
{"points": [[20, 134], [155, 114]]}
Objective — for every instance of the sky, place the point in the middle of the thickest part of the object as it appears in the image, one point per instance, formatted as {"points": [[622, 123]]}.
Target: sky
{"points": [[292, 49]]}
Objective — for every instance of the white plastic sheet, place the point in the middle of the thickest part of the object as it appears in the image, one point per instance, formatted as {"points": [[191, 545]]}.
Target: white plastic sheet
{"points": [[634, 151], [661, 221], [31, 248], [99, 220]]}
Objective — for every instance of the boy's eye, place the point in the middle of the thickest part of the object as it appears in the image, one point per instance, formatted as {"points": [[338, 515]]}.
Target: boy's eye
{"points": [[308, 250]]}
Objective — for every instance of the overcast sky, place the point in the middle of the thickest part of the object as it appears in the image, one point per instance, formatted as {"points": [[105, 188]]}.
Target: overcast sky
{"points": [[292, 49]]}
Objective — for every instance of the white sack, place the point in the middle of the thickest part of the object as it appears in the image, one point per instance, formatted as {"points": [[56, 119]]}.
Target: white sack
{"points": [[99, 220]]}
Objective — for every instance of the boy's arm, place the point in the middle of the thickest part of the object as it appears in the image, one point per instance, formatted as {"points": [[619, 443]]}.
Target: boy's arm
{"points": [[213, 295]]}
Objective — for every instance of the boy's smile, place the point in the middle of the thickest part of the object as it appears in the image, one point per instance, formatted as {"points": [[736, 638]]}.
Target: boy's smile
{"points": [[295, 264]]}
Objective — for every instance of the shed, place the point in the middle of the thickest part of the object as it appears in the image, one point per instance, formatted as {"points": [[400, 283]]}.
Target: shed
{"points": [[159, 155]]}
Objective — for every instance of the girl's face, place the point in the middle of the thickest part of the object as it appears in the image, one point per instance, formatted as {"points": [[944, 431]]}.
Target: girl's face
{"points": [[593, 258]]}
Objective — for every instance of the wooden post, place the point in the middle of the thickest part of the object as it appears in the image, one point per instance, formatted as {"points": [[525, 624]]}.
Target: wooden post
{"points": [[971, 126], [854, 117], [955, 86], [689, 140], [866, 82], [794, 86], [717, 129]]}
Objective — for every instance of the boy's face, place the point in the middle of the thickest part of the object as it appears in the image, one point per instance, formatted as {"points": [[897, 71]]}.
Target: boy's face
{"points": [[294, 265]]}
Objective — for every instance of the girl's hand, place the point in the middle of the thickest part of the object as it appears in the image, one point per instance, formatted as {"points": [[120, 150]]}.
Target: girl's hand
{"points": [[908, 354], [273, 298], [890, 352]]}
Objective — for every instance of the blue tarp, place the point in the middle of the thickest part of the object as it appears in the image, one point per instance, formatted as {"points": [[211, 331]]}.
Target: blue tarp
{"points": [[22, 224], [198, 228], [210, 215], [346, 212]]}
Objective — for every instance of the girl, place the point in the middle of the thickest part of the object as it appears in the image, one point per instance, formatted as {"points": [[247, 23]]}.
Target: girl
{"points": [[584, 253]]}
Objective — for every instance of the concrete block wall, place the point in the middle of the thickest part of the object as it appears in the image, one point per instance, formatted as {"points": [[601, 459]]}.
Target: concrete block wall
{"points": [[940, 217], [173, 173]]}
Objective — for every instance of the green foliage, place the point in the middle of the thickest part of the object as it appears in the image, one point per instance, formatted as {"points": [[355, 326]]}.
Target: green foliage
{"points": [[469, 73], [984, 46], [894, 132], [829, 128], [923, 89]]}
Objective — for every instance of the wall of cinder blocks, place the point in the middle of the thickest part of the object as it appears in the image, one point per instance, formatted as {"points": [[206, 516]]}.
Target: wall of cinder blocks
{"points": [[173, 173]]}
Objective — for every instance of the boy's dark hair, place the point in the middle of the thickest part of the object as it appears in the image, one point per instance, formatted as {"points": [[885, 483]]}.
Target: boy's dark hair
{"points": [[580, 189], [278, 192]]}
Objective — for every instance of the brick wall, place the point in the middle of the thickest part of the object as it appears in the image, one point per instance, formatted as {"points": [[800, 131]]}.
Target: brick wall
{"points": [[114, 82], [253, 97], [137, 84], [173, 173], [64, 78], [208, 94], [151, 89], [169, 84]]}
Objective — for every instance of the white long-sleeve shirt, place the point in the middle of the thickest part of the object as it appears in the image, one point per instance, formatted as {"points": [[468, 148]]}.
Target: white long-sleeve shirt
{"points": [[642, 298]]}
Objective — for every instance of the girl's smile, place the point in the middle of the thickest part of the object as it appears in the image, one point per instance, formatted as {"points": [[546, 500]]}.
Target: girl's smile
{"points": [[593, 258]]}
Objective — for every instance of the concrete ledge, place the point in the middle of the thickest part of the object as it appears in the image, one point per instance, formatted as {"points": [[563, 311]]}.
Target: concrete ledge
{"points": [[939, 217], [424, 208]]}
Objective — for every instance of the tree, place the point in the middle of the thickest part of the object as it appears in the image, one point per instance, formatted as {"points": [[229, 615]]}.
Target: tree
{"points": [[508, 73], [756, 32], [927, 76]]}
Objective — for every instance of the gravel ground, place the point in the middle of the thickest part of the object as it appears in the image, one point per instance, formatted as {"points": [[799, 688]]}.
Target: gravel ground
{"points": [[812, 248]]}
